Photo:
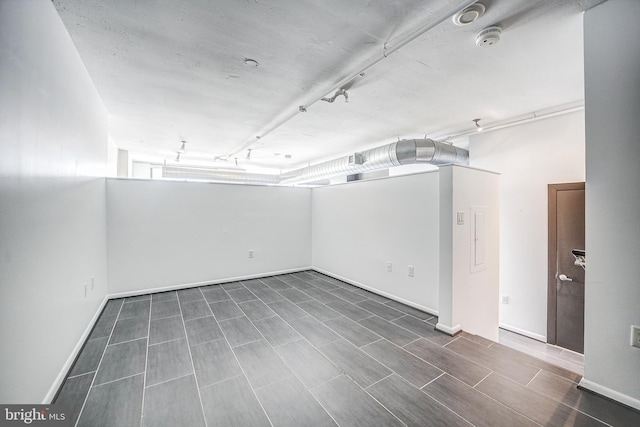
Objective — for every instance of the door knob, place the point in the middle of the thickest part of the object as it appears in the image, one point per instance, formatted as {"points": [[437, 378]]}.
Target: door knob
{"points": [[564, 278]]}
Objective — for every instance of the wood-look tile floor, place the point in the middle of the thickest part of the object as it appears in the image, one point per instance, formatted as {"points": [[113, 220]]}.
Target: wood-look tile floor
{"points": [[305, 349]]}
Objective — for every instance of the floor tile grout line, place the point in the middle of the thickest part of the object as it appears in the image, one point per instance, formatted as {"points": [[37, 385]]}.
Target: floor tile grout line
{"points": [[533, 378], [246, 377], [165, 317], [485, 377], [381, 379], [169, 380], [93, 380], [441, 403], [118, 379], [195, 376], [146, 363], [125, 342]]}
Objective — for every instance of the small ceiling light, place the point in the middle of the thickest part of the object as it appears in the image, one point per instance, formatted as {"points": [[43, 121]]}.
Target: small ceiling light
{"points": [[251, 62], [469, 14], [178, 157], [248, 154], [478, 125], [183, 147]]}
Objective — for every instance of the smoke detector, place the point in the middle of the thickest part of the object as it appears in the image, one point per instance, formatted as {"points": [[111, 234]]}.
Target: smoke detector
{"points": [[469, 14], [489, 36]]}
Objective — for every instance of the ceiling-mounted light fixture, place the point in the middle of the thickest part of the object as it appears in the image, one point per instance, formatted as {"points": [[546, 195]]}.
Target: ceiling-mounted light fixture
{"points": [[469, 14], [478, 125], [183, 147], [178, 157], [248, 154]]}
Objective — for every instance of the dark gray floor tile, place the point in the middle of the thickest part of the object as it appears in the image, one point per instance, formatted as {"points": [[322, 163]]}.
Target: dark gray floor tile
{"points": [[173, 403], [433, 320], [103, 327], [472, 405], [89, 356], [565, 391], [289, 404], [352, 331], [349, 310], [381, 310], [388, 330], [130, 329], [256, 310], [311, 367], [349, 405], [323, 284], [267, 295], [354, 362], [138, 298], [164, 309], [135, 309], [241, 295], [371, 295], [287, 310], [252, 284], [195, 309], [300, 285], [261, 364], [276, 331], [72, 395], [493, 360], [455, 365], [314, 331], [275, 283], [322, 296], [203, 330], [224, 310], [191, 294], [409, 310], [295, 295], [113, 307], [232, 403], [116, 404], [215, 294], [412, 406], [168, 361], [214, 362], [240, 331], [411, 368], [541, 409], [348, 295], [477, 339], [122, 360], [164, 296], [417, 326], [167, 329], [232, 286], [319, 310]]}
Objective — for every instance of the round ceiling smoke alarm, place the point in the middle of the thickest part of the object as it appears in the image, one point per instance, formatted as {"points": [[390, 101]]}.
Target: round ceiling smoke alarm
{"points": [[469, 14], [489, 36]]}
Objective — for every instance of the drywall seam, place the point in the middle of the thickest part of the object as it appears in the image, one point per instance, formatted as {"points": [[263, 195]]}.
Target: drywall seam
{"points": [[427, 310]]}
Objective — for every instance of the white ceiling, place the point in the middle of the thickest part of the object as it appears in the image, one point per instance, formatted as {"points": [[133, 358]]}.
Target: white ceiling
{"points": [[169, 70]]}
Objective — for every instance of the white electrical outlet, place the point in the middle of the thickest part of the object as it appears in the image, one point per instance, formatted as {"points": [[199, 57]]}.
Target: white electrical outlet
{"points": [[505, 299], [411, 271], [250, 253], [389, 267], [635, 336]]}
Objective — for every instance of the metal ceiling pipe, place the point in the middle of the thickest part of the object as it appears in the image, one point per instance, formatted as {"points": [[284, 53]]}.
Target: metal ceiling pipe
{"points": [[405, 152]]}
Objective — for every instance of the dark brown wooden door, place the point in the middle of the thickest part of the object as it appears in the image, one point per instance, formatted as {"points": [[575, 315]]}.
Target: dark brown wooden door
{"points": [[565, 312]]}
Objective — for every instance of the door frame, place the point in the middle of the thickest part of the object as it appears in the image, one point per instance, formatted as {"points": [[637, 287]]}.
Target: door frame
{"points": [[552, 302]]}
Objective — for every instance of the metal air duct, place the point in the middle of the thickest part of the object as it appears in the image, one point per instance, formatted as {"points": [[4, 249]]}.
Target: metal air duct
{"points": [[405, 152]]}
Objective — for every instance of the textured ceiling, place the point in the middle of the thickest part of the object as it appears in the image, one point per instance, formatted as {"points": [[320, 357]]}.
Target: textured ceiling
{"points": [[170, 70]]}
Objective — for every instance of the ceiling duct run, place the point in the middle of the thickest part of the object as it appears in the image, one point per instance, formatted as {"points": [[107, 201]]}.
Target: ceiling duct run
{"points": [[405, 152]]}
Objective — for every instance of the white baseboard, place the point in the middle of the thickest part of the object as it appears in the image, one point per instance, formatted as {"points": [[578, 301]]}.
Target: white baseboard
{"points": [[378, 292], [62, 375], [611, 394], [448, 330], [204, 283], [519, 331]]}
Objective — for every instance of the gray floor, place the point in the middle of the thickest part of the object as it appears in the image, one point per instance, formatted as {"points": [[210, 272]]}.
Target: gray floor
{"points": [[305, 349]]}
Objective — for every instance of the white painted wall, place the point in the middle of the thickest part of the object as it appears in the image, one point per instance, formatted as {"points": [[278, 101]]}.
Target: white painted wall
{"points": [[529, 157], [166, 233], [53, 134], [469, 291], [360, 226], [612, 70]]}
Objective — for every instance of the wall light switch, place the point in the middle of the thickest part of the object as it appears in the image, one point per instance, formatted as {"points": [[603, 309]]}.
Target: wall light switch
{"points": [[389, 267], [505, 299], [635, 336], [460, 217], [93, 282], [411, 271], [250, 253]]}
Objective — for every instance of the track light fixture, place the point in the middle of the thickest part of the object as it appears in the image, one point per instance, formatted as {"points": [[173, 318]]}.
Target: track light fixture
{"points": [[248, 154], [478, 125], [183, 147]]}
